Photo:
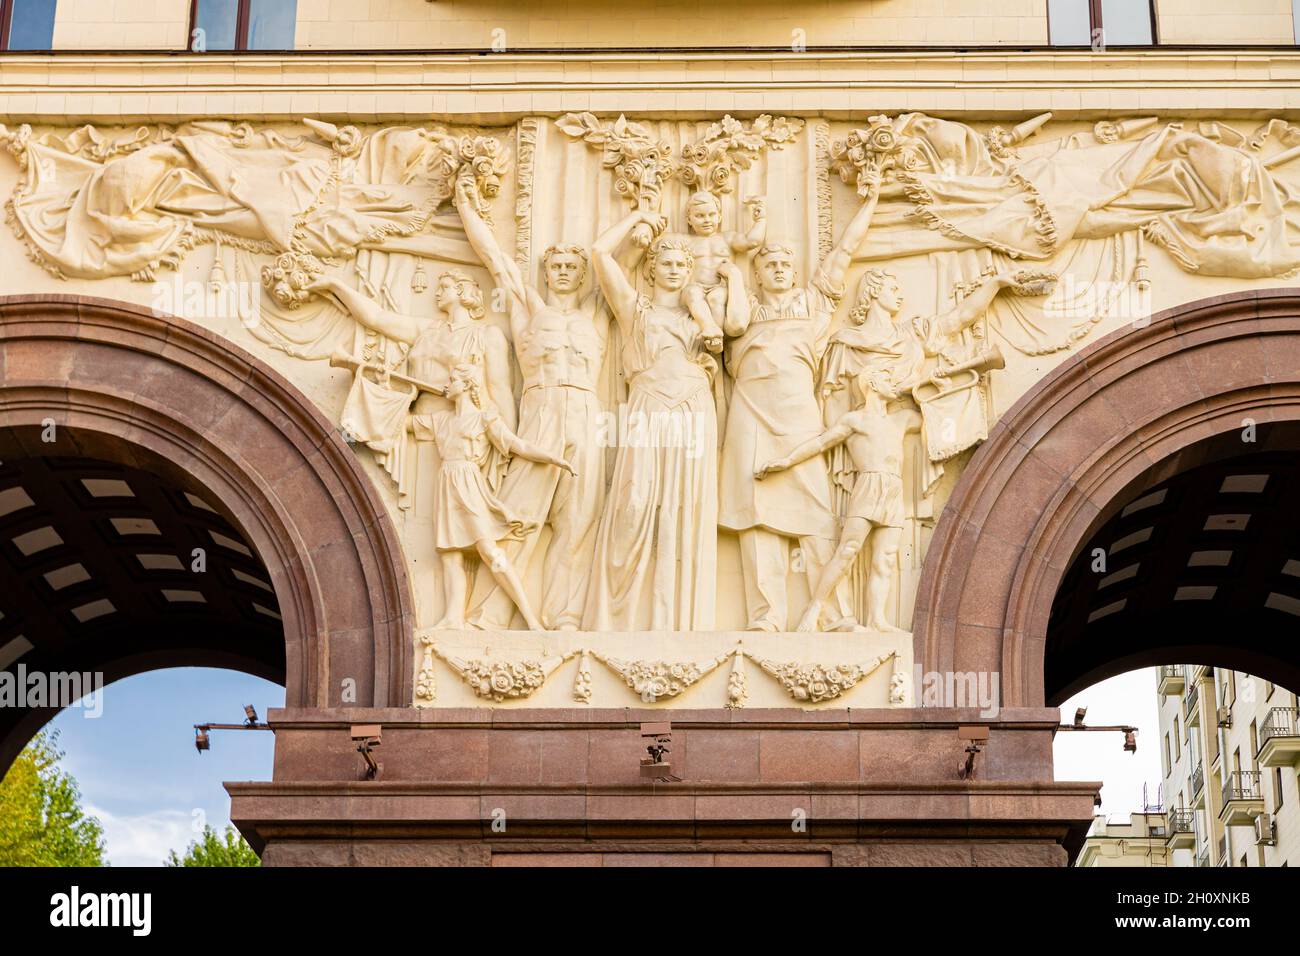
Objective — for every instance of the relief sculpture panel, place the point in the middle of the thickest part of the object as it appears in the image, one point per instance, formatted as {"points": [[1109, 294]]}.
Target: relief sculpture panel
{"points": [[654, 399]]}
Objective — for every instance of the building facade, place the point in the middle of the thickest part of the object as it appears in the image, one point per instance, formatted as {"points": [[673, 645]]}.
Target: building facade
{"points": [[1230, 763], [1230, 746], [829, 388], [1141, 841]]}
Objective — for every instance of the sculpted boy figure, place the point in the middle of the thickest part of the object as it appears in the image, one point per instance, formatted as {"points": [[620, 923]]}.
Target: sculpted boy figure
{"points": [[874, 436], [706, 296], [773, 355], [559, 339]]}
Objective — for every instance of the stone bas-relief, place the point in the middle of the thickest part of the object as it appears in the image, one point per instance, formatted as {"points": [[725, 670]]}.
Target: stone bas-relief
{"points": [[664, 377], [714, 669]]}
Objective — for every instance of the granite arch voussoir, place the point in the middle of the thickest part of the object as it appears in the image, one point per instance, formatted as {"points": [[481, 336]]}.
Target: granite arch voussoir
{"points": [[1065, 452], [133, 386]]}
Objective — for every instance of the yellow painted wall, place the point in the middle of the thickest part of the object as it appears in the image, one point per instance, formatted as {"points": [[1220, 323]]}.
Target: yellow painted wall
{"points": [[509, 24]]}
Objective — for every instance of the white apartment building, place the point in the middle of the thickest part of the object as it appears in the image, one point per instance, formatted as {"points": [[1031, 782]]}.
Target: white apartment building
{"points": [[1230, 752]]}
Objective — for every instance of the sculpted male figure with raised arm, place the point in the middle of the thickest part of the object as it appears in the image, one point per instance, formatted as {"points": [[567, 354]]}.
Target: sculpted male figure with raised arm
{"points": [[773, 353], [559, 338]]}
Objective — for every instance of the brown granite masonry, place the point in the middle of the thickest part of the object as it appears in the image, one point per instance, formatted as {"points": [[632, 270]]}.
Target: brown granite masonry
{"points": [[1064, 454], [126, 385]]}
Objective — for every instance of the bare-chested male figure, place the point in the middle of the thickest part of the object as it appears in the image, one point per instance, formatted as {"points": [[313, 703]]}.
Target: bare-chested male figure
{"points": [[559, 340]]}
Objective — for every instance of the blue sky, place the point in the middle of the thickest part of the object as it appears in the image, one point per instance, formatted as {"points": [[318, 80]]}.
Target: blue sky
{"points": [[140, 774], [137, 767]]}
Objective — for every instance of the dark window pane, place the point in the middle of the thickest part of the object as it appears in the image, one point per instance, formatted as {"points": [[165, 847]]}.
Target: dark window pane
{"points": [[219, 20], [271, 23], [31, 27], [1126, 22], [1069, 22]]}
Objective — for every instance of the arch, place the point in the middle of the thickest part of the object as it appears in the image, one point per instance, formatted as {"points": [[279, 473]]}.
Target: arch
{"points": [[127, 385], [1142, 401]]}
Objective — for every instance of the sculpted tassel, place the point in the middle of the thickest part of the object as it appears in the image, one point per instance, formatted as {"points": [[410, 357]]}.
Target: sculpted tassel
{"points": [[1142, 269], [419, 281], [217, 277]]}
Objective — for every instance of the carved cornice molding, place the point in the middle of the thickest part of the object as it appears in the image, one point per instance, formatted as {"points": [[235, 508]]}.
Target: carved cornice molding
{"points": [[171, 87]]}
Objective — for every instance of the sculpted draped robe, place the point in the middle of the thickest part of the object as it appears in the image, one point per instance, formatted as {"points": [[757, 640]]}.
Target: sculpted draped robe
{"points": [[656, 547], [92, 218], [1216, 209]]}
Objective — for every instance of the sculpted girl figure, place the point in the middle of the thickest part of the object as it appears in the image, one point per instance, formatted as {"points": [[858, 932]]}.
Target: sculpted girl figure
{"points": [[706, 295], [467, 515]]}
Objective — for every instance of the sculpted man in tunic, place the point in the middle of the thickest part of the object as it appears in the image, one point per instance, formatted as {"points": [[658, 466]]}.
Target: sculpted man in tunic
{"points": [[559, 338], [773, 354]]}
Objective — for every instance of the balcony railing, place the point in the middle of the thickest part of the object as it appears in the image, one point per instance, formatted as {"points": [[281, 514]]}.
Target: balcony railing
{"points": [[1172, 679], [1280, 722], [1180, 829], [1241, 785], [1198, 778], [1279, 738], [1191, 697]]}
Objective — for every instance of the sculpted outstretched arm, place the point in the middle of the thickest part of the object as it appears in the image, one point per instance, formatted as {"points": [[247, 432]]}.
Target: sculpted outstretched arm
{"points": [[813, 446], [736, 321], [613, 281], [757, 234], [505, 272], [404, 328], [509, 443], [971, 308], [835, 266]]}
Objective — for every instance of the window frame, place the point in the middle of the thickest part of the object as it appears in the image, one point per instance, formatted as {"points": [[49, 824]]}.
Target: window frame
{"points": [[243, 23], [6, 15], [1095, 24]]}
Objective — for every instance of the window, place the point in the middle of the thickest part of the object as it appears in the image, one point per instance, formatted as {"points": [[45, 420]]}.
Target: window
{"points": [[27, 24], [1101, 23], [1178, 747], [242, 25]]}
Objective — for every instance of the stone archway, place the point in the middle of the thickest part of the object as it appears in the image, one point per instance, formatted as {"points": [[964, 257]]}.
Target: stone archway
{"points": [[1059, 463], [127, 386]]}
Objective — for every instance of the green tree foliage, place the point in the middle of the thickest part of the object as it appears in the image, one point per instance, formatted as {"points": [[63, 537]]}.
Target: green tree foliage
{"points": [[41, 819], [229, 849]]}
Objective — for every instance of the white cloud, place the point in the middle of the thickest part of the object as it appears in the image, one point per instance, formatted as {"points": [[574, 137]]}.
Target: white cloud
{"points": [[144, 839]]}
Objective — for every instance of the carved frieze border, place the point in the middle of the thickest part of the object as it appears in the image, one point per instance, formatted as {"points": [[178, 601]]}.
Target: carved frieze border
{"points": [[655, 680]]}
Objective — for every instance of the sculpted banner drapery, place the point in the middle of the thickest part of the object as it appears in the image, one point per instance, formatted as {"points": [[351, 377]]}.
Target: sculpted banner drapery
{"points": [[641, 398]]}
